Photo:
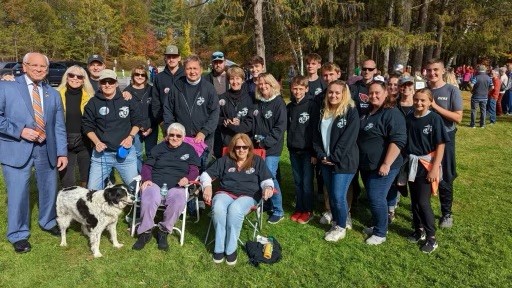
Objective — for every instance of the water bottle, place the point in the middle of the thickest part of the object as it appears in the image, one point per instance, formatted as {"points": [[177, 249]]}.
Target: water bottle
{"points": [[268, 248], [163, 190]]}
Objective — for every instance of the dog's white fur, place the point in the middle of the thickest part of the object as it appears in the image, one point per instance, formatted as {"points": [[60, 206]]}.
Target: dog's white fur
{"points": [[95, 210]]}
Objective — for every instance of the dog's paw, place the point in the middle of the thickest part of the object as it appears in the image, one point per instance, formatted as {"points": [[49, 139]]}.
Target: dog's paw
{"points": [[63, 244], [98, 255], [118, 245]]}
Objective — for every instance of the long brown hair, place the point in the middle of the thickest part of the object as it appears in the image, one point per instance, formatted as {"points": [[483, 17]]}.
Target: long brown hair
{"points": [[250, 155]]}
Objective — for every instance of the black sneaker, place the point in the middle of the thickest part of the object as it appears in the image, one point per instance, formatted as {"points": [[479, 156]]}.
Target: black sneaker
{"points": [[143, 239], [231, 258], [161, 239], [429, 246], [218, 257], [417, 236]]}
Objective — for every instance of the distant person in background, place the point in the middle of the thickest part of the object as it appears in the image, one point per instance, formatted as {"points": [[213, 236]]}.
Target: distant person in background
{"points": [[482, 84], [503, 89], [494, 95], [75, 91], [450, 77]]}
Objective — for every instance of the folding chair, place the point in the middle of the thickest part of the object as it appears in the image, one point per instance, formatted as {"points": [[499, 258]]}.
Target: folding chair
{"points": [[257, 223], [191, 195]]}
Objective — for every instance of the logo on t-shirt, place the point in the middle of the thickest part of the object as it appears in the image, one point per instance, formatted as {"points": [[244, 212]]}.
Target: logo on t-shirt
{"points": [[318, 91], [427, 129], [232, 169], [104, 110], [200, 101], [363, 97], [250, 171], [268, 114], [185, 157], [124, 111], [304, 117], [242, 112], [342, 123], [368, 126]]}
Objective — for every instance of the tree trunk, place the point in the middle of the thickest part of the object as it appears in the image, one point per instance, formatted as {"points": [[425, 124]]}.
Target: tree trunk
{"points": [[441, 22], [258, 28], [385, 58], [422, 27], [351, 57], [330, 56], [402, 53]]}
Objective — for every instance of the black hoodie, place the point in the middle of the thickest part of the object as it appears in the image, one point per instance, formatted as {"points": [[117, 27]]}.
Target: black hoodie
{"points": [[302, 119], [360, 95], [162, 85], [270, 122], [235, 104], [111, 120]]}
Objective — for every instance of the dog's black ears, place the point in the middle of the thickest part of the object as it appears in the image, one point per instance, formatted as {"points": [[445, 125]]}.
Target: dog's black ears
{"points": [[114, 194]]}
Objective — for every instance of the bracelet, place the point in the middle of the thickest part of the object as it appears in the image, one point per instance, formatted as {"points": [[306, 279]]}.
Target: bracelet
{"points": [[133, 136]]}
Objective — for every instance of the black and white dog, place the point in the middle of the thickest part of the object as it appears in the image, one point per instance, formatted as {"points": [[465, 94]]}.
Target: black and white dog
{"points": [[95, 210]]}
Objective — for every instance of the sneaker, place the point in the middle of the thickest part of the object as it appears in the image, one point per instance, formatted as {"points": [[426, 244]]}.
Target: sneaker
{"points": [[446, 221], [142, 240], [161, 239], [218, 257], [348, 224], [429, 246], [335, 234], [391, 216], [368, 231], [417, 236], [326, 218], [375, 240], [305, 217], [231, 258], [274, 219], [295, 216]]}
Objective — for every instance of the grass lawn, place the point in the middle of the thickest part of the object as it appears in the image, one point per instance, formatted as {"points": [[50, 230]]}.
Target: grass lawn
{"points": [[476, 252]]}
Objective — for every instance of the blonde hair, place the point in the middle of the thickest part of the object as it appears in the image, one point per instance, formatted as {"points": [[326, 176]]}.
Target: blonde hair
{"points": [[87, 86], [346, 101], [275, 88]]}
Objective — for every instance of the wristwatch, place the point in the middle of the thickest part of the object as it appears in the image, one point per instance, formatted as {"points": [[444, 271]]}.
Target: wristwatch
{"points": [[133, 136]]}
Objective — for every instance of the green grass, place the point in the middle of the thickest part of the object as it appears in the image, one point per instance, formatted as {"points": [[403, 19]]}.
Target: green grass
{"points": [[477, 252]]}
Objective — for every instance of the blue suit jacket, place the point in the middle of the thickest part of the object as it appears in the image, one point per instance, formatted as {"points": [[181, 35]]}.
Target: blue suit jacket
{"points": [[16, 113]]}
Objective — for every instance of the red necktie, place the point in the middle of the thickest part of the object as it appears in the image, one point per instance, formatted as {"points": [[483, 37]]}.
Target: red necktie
{"points": [[38, 111]]}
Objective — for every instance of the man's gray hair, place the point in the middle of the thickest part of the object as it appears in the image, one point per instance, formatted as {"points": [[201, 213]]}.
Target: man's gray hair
{"points": [[176, 126], [192, 58], [25, 58]]}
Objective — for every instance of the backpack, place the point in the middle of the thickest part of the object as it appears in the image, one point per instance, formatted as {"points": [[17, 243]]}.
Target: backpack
{"points": [[254, 251]]}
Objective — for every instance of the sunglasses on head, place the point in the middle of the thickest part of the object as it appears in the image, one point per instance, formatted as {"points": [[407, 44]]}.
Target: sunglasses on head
{"points": [[241, 147], [139, 75], [72, 75], [108, 81], [368, 69], [175, 135]]}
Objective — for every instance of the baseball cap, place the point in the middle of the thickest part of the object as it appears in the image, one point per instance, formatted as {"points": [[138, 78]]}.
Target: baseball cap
{"points": [[107, 74], [217, 56], [405, 79], [95, 57], [171, 50], [399, 67]]}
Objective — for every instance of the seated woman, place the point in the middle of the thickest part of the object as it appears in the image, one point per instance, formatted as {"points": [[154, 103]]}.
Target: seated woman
{"points": [[173, 163], [244, 179]]}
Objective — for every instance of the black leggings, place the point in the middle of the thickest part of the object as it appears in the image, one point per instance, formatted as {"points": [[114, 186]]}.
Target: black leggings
{"points": [[82, 156], [422, 214]]}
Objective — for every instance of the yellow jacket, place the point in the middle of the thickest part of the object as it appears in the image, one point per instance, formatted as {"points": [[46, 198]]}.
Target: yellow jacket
{"points": [[85, 99]]}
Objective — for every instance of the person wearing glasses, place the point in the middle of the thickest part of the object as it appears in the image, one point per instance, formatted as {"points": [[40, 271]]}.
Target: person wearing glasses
{"points": [[244, 180], [381, 138], [32, 135], [141, 91], [174, 163], [111, 123], [359, 90], [75, 91]]}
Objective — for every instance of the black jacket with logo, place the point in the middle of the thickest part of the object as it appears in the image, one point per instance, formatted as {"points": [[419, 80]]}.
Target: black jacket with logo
{"points": [[235, 104], [302, 119], [270, 123], [360, 95], [162, 85]]}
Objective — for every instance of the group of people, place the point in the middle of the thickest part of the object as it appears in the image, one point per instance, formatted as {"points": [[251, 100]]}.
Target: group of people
{"points": [[337, 132]]}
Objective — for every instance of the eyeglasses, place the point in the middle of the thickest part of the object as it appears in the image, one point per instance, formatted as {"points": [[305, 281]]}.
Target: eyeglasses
{"points": [[72, 75], [241, 147], [139, 75], [108, 81], [35, 66], [175, 135], [368, 69]]}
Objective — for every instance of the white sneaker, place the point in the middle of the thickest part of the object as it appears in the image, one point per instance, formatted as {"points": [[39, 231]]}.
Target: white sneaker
{"points": [[326, 218], [348, 224], [336, 234], [368, 231], [333, 227], [375, 240]]}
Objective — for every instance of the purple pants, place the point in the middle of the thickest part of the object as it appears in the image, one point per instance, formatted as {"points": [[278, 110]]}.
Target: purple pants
{"points": [[151, 199]]}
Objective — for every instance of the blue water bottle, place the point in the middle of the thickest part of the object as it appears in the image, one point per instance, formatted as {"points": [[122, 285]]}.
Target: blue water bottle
{"points": [[164, 190]]}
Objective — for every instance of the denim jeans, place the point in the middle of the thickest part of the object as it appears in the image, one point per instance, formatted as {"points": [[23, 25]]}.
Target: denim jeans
{"points": [[277, 199], [151, 199], [337, 186], [137, 143], [481, 102], [302, 170], [228, 217], [377, 188], [491, 109], [102, 164]]}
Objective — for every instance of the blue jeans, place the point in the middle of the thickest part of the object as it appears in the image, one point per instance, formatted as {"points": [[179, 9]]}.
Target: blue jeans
{"points": [[481, 102], [137, 143], [491, 109], [337, 187], [377, 188], [228, 217], [302, 170], [102, 164], [277, 199]]}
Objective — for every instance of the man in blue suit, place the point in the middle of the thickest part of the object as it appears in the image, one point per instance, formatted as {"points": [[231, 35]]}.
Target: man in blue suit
{"points": [[32, 135]]}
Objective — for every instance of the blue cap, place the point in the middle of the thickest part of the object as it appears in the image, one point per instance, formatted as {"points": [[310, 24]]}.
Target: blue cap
{"points": [[122, 152]]}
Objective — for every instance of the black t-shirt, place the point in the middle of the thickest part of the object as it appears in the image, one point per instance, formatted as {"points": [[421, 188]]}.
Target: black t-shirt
{"points": [[245, 182], [425, 133], [169, 165], [315, 88], [73, 112]]}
